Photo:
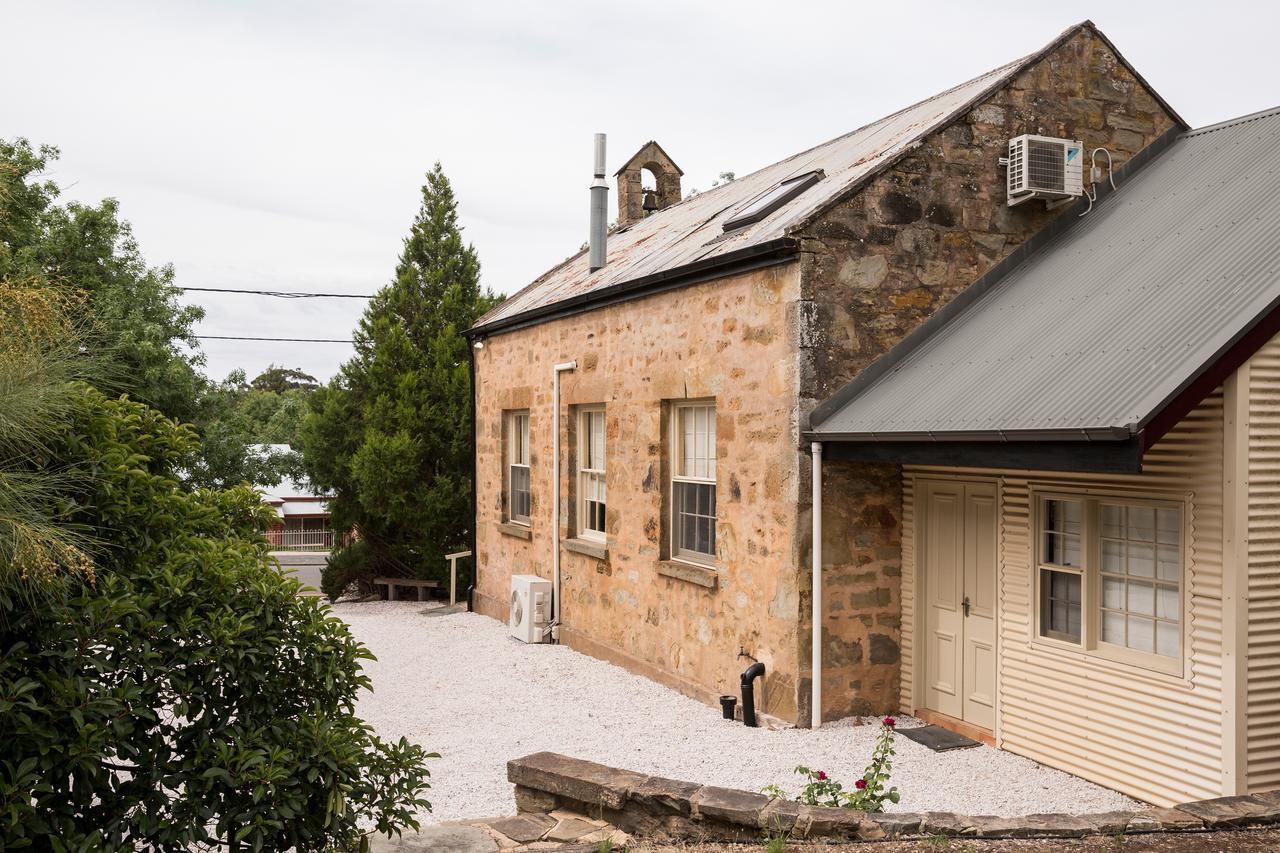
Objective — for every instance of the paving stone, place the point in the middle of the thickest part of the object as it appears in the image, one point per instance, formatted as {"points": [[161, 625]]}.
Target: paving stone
{"points": [[834, 822], [569, 829], [730, 806], [523, 828], [620, 839], [941, 823], [574, 779], [437, 839], [897, 824], [1233, 811], [664, 796], [1156, 819]]}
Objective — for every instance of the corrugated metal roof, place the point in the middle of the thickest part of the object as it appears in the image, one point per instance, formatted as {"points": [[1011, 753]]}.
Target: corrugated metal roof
{"points": [[692, 231], [1097, 330]]}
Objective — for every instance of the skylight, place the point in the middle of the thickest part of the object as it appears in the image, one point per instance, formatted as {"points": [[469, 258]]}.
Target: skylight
{"points": [[771, 199]]}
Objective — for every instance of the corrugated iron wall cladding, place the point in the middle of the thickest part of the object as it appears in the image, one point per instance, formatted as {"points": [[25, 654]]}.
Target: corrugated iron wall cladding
{"points": [[1100, 326], [906, 646], [1153, 736], [1262, 727]]}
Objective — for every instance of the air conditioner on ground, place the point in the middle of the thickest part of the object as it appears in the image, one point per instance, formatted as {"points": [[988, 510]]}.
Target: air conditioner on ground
{"points": [[1044, 167], [530, 608]]}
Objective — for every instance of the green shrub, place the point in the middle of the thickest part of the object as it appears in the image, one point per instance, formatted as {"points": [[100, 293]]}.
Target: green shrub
{"points": [[183, 695], [347, 567]]}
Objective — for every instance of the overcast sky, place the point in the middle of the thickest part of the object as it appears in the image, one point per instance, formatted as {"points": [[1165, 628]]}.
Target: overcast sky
{"points": [[281, 145]]}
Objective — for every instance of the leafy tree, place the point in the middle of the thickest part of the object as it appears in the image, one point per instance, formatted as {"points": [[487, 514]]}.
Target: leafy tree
{"points": [[279, 380], [237, 419], [139, 322], [180, 693], [390, 436]]}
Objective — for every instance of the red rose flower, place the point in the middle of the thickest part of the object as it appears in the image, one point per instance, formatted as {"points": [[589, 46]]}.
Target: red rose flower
{"points": [[822, 777], [890, 722], [860, 784]]}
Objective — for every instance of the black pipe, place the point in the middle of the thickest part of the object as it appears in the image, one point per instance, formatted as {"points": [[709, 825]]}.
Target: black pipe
{"points": [[727, 704], [471, 599], [749, 693]]}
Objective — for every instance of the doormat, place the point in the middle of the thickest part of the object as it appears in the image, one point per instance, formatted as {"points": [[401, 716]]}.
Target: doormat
{"points": [[937, 738]]}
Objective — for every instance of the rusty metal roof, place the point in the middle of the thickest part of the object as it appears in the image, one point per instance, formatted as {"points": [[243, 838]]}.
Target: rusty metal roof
{"points": [[1104, 327], [691, 232]]}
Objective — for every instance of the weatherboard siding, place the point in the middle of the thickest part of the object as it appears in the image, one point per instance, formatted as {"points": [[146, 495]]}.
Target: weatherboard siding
{"points": [[1153, 736], [1262, 665]]}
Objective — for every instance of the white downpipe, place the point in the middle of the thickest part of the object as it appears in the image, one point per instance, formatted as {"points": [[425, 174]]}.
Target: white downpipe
{"points": [[816, 676], [555, 494]]}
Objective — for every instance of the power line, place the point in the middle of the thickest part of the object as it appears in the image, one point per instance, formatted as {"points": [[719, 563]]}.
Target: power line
{"points": [[281, 340], [280, 294]]}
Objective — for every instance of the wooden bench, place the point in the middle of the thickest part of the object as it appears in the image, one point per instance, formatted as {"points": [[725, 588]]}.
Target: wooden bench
{"points": [[389, 587]]}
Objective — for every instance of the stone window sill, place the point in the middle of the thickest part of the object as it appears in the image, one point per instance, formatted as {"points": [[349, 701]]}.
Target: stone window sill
{"points": [[519, 531], [700, 575], [587, 547]]}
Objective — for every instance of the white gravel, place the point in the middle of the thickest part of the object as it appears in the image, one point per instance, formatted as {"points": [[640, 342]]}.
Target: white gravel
{"points": [[460, 686]]}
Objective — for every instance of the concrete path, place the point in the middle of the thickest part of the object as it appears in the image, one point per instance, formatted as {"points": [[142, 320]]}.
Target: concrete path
{"points": [[305, 566]]}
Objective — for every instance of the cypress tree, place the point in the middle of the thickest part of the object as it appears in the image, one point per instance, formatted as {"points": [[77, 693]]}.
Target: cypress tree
{"points": [[391, 434]]}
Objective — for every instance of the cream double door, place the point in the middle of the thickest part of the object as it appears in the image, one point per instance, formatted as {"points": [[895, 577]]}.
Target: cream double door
{"points": [[959, 551]]}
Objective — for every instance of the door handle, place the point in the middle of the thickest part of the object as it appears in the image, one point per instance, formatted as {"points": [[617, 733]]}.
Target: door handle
{"points": [[965, 605]]}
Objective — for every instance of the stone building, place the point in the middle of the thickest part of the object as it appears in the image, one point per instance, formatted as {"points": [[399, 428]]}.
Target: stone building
{"points": [[651, 431]]}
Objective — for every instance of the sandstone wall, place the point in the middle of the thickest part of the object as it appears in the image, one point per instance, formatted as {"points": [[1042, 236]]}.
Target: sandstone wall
{"points": [[734, 340], [877, 265]]}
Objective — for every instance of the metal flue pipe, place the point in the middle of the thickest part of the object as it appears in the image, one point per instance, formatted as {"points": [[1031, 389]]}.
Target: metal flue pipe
{"points": [[599, 210]]}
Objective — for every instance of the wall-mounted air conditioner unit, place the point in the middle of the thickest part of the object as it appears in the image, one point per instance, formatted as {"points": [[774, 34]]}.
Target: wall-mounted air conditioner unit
{"points": [[530, 608], [1044, 167]]}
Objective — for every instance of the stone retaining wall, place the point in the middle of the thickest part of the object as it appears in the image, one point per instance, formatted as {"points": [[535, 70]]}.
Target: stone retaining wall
{"points": [[654, 806]]}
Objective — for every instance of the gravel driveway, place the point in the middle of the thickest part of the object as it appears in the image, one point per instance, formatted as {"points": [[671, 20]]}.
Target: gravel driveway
{"points": [[460, 686]]}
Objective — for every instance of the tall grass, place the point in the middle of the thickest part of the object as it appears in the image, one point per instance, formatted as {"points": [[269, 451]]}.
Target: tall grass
{"points": [[44, 359]]}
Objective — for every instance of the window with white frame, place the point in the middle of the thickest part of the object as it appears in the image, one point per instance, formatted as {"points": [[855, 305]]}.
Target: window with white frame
{"points": [[1109, 577], [693, 482], [517, 440], [591, 485]]}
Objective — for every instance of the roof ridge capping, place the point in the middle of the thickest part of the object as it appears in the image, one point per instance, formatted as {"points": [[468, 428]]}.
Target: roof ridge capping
{"points": [[1232, 122]]}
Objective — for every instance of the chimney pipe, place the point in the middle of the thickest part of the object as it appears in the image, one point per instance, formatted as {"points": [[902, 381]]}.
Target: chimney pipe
{"points": [[599, 209]]}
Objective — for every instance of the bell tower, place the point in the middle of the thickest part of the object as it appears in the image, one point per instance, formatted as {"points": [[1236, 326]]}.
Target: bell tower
{"points": [[635, 201]]}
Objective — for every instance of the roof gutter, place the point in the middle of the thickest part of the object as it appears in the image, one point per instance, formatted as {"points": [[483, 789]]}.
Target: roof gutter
{"points": [[1090, 434], [769, 253]]}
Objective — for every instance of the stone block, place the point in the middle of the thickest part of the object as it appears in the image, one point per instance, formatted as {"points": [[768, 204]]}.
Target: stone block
{"points": [[823, 821], [1157, 819], [780, 815], [941, 823], [1057, 825], [532, 800], [727, 805], [1109, 823], [1224, 812], [898, 824], [665, 796], [574, 779]]}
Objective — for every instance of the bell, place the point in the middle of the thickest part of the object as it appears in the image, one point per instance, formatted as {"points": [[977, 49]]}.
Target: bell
{"points": [[650, 201]]}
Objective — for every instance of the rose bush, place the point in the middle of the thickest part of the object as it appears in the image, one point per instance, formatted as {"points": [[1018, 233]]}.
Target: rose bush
{"points": [[869, 793]]}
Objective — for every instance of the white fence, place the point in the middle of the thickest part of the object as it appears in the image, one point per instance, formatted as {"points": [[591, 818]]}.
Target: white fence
{"points": [[301, 540]]}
